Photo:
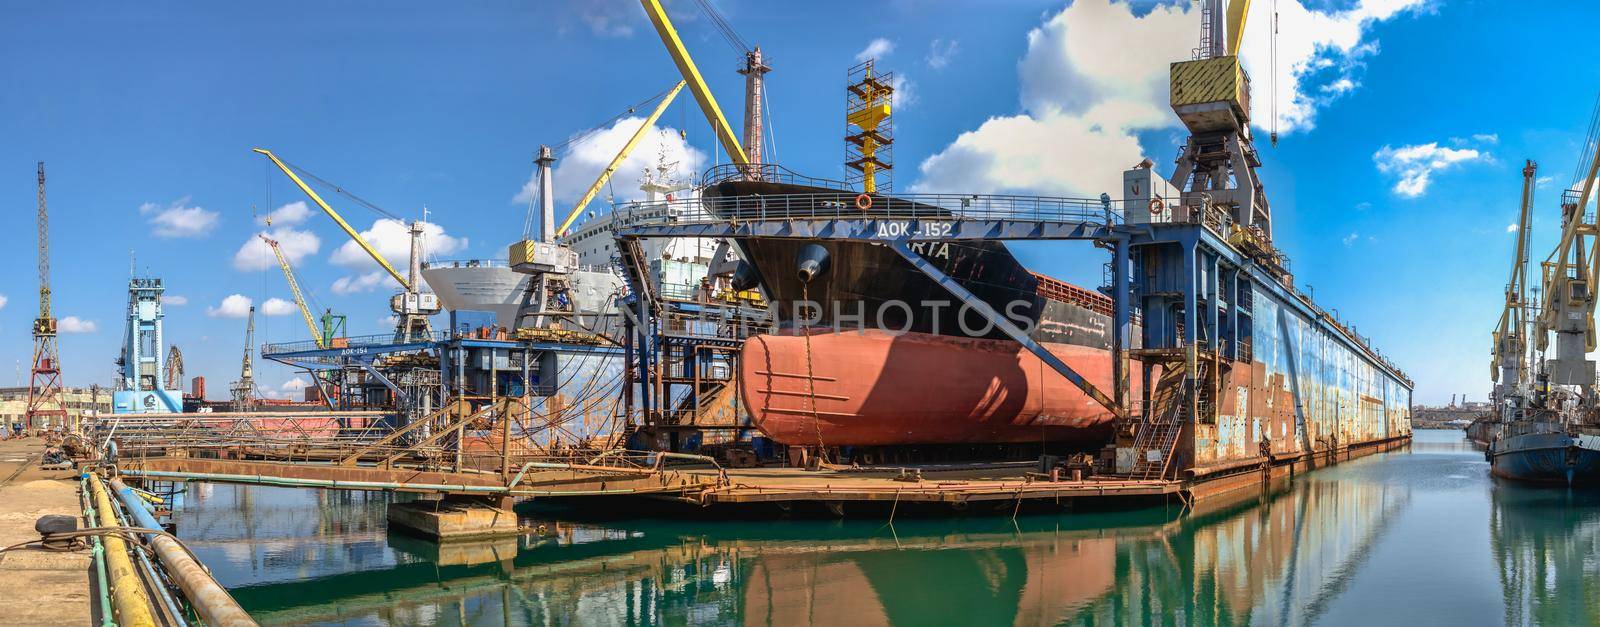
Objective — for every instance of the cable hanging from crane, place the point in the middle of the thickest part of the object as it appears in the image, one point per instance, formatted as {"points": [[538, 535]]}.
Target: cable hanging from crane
{"points": [[343, 192], [1590, 140], [724, 27], [590, 132]]}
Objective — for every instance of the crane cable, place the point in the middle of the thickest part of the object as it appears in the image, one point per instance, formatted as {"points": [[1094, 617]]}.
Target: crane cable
{"points": [[343, 192], [575, 140], [723, 27], [1274, 56]]}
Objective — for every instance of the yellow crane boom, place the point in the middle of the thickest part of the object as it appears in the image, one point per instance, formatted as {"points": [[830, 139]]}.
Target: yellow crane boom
{"points": [[294, 288], [697, 85], [348, 230], [1570, 276], [1238, 10], [616, 162], [1510, 345]]}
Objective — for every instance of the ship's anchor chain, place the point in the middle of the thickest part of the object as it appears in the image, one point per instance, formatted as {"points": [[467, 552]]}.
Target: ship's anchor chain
{"points": [[811, 382]]}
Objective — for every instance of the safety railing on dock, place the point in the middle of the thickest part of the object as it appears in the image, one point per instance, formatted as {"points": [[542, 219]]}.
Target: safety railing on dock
{"points": [[852, 205], [353, 343]]}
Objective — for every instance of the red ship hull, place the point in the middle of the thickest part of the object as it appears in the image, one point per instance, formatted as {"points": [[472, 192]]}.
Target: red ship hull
{"points": [[873, 388]]}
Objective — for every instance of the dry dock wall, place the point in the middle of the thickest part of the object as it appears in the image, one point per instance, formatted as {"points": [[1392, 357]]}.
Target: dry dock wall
{"points": [[1307, 388]]}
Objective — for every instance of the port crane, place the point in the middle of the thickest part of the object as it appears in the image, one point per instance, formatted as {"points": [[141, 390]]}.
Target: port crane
{"points": [[45, 406], [1507, 368], [244, 389], [611, 168], [1568, 276], [697, 84], [412, 306], [331, 324]]}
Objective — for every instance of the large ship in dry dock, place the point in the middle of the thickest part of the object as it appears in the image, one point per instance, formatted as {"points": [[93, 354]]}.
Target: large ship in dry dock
{"points": [[1227, 364], [905, 366]]}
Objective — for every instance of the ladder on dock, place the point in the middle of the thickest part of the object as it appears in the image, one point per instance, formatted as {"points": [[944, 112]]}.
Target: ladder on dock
{"points": [[1157, 439]]}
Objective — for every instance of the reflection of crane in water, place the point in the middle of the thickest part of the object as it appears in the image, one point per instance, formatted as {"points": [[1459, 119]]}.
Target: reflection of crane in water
{"points": [[1544, 543]]}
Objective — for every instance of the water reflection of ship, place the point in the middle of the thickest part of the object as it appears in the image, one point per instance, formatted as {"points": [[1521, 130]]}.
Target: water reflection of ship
{"points": [[1545, 541], [1280, 557]]}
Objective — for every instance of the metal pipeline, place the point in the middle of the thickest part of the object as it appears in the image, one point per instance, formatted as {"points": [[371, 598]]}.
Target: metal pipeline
{"points": [[174, 613], [106, 619], [127, 592], [210, 600]]}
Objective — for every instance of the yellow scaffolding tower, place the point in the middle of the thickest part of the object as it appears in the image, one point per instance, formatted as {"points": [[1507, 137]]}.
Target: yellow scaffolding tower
{"points": [[869, 133]]}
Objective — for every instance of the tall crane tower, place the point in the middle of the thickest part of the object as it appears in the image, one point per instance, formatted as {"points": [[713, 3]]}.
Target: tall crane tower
{"points": [[45, 406], [1508, 369], [244, 389]]}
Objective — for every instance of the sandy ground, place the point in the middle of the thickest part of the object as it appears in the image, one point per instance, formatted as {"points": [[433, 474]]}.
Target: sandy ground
{"points": [[42, 588]]}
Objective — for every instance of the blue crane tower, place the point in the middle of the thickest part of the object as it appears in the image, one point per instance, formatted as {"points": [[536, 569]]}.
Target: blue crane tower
{"points": [[142, 363]]}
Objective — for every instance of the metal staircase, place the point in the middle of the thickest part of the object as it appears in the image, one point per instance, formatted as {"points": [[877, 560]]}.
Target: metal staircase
{"points": [[1157, 439]]}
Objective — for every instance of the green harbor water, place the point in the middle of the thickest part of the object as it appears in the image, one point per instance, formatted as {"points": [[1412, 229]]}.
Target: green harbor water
{"points": [[1414, 537]]}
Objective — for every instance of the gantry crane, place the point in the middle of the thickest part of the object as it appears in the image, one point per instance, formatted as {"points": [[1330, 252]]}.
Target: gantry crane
{"points": [[1508, 367]]}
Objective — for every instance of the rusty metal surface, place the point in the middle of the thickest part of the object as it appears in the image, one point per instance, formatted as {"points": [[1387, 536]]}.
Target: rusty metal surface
{"points": [[1306, 390], [576, 480]]}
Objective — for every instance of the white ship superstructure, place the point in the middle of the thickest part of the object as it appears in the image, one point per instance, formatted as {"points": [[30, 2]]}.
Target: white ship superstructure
{"points": [[676, 265]]}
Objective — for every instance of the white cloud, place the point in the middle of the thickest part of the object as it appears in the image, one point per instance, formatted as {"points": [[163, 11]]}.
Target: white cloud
{"points": [[905, 91], [1350, 240], [361, 283], [234, 306], [254, 254], [1073, 94], [392, 239], [74, 324], [1319, 55], [1511, 228], [583, 162], [179, 219], [941, 52], [278, 307], [610, 18], [287, 215], [1542, 181], [1340, 87], [174, 300], [1084, 108], [1416, 164], [876, 49], [293, 388], [1486, 138], [3, 301]]}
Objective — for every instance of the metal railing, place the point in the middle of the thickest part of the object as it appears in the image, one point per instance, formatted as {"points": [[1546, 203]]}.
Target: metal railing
{"points": [[768, 173], [353, 342], [466, 263], [714, 210]]}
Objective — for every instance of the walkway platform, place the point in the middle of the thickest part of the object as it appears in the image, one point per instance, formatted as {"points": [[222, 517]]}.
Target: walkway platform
{"points": [[45, 588]]}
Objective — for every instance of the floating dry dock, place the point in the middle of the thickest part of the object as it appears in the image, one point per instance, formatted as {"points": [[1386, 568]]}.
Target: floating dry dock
{"points": [[702, 484]]}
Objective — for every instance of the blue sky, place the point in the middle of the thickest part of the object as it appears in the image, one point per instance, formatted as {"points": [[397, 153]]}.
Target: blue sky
{"points": [[411, 105]]}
